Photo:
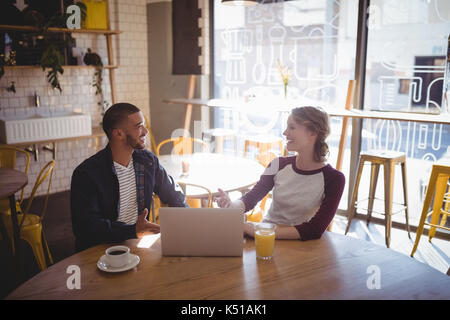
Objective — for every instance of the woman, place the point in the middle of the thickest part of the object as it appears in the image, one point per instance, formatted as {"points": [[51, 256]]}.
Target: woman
{"points": [[306, 190]]}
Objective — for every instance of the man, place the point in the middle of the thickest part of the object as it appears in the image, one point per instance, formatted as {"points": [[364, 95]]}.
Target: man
{"points": [[111, 192]]}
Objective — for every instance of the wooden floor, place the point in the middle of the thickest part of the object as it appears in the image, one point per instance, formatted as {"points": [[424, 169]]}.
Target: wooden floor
{"points": [[435, 254]]}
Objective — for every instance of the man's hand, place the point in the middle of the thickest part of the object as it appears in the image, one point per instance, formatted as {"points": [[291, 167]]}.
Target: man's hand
{"points": [[223, 200], [144, 227]]}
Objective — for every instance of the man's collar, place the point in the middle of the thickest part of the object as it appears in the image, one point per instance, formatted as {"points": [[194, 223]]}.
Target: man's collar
{"points": [[136, 155]]}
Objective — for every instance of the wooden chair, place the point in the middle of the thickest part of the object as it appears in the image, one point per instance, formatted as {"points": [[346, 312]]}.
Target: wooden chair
{"points": [[388, 159], [437, 187], [30, 225], [181, 145]]}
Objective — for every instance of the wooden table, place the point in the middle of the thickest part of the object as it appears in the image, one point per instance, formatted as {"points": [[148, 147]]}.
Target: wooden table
{"points": [[12, 181], [213, 171], [333, 267]]}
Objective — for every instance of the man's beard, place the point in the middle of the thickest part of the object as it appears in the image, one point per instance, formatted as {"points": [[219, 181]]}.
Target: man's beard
{"points": [[135, 143]]}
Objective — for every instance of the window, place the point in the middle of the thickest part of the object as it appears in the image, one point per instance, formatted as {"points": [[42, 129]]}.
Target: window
{"points": [[405, 70], [316, 40]]}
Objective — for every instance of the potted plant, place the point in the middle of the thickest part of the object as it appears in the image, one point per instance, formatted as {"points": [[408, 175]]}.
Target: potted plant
{"points": [[53, 57], [93, 59]]}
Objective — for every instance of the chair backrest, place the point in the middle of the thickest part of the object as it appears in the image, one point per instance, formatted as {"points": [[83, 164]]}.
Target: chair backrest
{"points": [[46, 173], [265, 158], [181, 145], [8, 155], [183, 186], [150, 133]]}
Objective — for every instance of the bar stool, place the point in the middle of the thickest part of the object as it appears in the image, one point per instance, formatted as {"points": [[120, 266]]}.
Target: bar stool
{"points": [[220, 134], [437, 186], [388, 159]]}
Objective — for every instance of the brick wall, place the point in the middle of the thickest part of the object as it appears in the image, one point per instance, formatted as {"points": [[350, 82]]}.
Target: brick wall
{"points": [[130, 53]]}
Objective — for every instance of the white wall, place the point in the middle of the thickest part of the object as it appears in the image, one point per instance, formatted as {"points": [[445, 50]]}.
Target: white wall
{"points": [[130, 53]]}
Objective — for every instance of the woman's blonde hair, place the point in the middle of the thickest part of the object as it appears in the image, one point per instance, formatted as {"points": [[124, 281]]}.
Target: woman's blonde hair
{"points": [[317, 121]]}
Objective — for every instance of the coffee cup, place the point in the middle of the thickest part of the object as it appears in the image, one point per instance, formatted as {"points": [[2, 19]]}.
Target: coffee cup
{"points": [[117, 256]]}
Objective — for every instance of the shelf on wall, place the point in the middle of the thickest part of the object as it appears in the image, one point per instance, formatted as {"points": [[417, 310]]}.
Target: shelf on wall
{"points": [[57, 30], [64, 67], [106, 32]]}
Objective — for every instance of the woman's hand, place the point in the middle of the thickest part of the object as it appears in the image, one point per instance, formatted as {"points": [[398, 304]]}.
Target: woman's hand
{"points": [[223, 200]]}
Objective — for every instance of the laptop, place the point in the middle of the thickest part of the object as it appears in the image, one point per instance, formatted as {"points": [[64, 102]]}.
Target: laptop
{"points": [[201, 232]]}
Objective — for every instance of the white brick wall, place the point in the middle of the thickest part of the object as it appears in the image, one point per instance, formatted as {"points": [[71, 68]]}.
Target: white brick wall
{"points": [[130, 53]]}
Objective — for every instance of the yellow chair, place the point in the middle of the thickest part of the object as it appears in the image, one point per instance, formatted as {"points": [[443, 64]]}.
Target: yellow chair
{"points": [[437, 186], [191, 201], [181, 145], [8, 156], [256, 215], [156, 204], [30, 225], [264, 143], [150, 133]]}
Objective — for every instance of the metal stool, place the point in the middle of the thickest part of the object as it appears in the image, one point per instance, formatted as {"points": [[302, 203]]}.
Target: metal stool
{"points": [[437, 186], [388, 159], [220, 134]]}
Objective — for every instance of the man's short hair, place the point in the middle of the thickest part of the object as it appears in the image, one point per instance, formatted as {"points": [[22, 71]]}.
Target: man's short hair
{"points": [[116, 115]]}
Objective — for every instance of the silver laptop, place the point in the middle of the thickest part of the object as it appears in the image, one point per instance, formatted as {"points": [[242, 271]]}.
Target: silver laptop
{"points": [[201, 232]]}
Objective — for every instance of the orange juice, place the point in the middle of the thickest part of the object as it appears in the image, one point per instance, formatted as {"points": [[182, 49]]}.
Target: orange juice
{"points": [[264, 243]]}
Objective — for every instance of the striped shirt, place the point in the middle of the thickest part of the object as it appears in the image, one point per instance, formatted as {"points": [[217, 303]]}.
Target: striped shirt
{"points": [[128, 205]]}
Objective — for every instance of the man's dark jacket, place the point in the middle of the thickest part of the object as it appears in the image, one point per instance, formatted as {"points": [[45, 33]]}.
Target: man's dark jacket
{"points": [[94, 196]]}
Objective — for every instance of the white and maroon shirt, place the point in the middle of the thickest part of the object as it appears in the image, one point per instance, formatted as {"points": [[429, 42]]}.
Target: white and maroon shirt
{"points": [[307, 200]]}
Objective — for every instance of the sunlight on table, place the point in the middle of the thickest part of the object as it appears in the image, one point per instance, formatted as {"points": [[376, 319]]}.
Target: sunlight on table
{"points": [[148, 241]]}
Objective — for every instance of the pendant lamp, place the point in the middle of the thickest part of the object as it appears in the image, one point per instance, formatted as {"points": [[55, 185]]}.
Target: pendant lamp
{"points": [[242, 3]]}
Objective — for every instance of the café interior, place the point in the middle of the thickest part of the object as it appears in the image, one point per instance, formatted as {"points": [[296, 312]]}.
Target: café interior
{"points": [[216, 81]]}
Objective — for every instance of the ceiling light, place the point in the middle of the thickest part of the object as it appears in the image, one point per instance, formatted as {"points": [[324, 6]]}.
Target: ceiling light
{"points": [[242, 3]]}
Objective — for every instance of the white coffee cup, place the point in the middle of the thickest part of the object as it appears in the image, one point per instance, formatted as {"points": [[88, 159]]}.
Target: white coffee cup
{"points": [[117, 256]]}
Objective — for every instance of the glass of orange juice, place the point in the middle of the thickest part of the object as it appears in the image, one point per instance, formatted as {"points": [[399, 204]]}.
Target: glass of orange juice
{"points": [[264, 240]]}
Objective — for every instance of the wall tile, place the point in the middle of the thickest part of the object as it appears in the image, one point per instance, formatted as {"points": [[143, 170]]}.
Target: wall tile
{"points": [[130, 52]]}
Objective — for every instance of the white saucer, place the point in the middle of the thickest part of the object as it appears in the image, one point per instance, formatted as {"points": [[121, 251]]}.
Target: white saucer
{"points": [[133, 262]]}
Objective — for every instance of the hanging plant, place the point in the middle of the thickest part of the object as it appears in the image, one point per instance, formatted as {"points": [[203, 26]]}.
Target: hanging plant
{"points": [[53, 57], [53, 60], [93, 59]]}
